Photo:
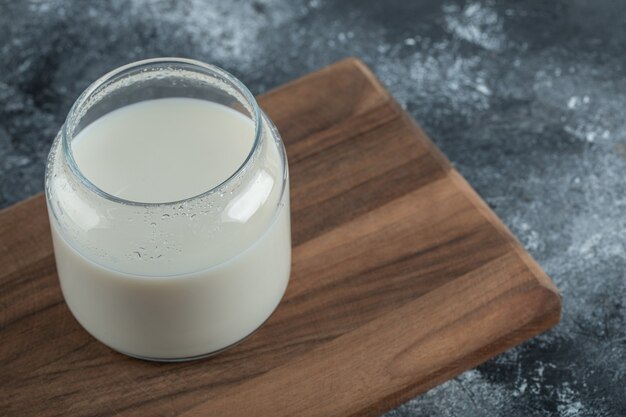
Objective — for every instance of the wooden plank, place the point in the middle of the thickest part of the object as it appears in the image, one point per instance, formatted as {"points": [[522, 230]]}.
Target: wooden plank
{"points": [[402, 278]]}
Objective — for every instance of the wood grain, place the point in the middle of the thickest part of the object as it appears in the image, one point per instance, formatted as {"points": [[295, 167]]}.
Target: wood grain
{"points": [[402, 278]]}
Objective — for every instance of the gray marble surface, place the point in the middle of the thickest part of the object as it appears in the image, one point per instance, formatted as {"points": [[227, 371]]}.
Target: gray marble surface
{"points": [[526, 98]]}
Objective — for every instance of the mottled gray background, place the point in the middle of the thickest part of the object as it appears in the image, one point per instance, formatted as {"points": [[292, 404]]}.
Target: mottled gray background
{"points": [[527, 99]]}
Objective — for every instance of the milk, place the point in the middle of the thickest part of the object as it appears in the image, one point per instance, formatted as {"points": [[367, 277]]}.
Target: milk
{"points": [[211, 288]]}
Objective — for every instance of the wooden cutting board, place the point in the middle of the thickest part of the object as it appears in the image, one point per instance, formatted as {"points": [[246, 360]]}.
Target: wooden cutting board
{"points": [[402, 278]]}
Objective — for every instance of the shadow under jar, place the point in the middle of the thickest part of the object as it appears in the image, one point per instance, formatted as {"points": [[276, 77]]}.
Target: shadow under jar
{"points": [[168, 196]]}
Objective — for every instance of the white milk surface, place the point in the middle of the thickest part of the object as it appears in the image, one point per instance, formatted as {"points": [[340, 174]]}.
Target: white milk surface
{"points": [[161, 151]]}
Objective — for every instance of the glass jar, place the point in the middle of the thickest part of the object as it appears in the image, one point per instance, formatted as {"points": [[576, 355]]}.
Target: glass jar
{"points": [[170, 280]]}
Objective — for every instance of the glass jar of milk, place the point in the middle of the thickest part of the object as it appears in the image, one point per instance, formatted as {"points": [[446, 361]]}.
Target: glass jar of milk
{"points": [[168, 197]]}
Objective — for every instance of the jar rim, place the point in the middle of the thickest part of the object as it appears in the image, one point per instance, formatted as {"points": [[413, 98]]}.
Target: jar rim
{"points": [[133, 66]]}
